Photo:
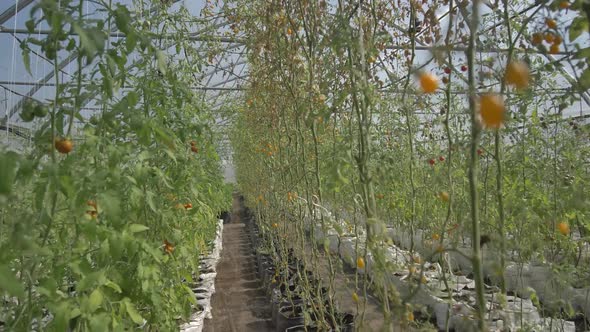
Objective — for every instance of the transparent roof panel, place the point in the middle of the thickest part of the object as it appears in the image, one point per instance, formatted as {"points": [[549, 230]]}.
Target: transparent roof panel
{"points": [[222, 78]]}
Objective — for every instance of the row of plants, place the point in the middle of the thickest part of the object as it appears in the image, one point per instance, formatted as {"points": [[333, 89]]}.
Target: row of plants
{"points": [[388, 118], [104, 216], [299, 299]]}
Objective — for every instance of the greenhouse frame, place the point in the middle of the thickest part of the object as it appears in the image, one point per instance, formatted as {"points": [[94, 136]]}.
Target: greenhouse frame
{"points": [[295, 165]]}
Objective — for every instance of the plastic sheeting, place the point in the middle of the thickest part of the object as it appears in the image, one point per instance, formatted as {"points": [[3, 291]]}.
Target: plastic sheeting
{"points": [[457, 312], [206, 284]]}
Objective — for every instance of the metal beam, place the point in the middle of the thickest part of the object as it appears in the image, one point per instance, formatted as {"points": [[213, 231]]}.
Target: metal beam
{"points": [[195, 37], [454, 48], [203, 88], [37, 86], [46, 79], [12, 10]]}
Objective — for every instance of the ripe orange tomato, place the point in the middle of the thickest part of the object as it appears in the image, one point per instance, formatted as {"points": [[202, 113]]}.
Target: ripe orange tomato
{"points": [[554, 49], [188, 206], [428, 82], [64, 145], [551, 24], [563, 228], [491, 110], [549, 37], [564, 5], [517, 74], [537, 38], [194, 149], [360, 263], [168, 247]]}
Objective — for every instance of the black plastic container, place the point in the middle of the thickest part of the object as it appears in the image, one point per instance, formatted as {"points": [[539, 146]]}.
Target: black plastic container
{"points": [[289, 316]]}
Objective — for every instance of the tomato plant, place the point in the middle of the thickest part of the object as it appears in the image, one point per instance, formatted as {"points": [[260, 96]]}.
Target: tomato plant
{"points": [[86, 245]]}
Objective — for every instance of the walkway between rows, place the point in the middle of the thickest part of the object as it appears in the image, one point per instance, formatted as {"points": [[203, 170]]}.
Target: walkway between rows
{"points": [[239, 303]]}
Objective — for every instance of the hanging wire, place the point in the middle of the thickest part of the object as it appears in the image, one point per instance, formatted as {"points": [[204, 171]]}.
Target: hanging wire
{"points": [[12, 70], [36, 75]]}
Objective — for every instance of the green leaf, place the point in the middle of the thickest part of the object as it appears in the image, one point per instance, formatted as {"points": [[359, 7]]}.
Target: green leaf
{"points": [[111, 203], [137, 228], [107, 82], [61, 315], [171, 155], [150, 201], [100, 322], [132, 312], [30, 24], [10, 284], [130, 41], [191, 295], [27, 61], [579, 25], [67, 185], [585, 79], [122, 18], [95, 300], [116, 247], [132, 98], [74, 312], [113, 286], [582, 53], [47, 287], [59, 121], [111, 64], [71, 45], [8, 170], [85, 41], [161, 59], [90, 280]]}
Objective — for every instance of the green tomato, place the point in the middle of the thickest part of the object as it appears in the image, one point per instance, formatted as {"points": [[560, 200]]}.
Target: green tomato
{"points": [[50, 52], [27, 113], [40, 110]]}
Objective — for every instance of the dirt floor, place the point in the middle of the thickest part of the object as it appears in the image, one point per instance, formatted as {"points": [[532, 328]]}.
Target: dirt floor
{"points": [[239, 303]]}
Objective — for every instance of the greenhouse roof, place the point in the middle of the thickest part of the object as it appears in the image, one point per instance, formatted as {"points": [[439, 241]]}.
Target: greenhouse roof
{"points": [[224, 76]]}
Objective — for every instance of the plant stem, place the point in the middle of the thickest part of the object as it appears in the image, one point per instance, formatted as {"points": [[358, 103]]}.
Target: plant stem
{"points": [[473, 169]]}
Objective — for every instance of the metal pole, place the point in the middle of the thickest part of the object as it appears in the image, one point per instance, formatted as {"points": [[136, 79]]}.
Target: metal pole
{"points": [[12, 10]]}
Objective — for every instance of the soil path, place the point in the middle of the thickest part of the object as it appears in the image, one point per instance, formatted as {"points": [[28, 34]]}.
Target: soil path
{"points": [[239, 303]]}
